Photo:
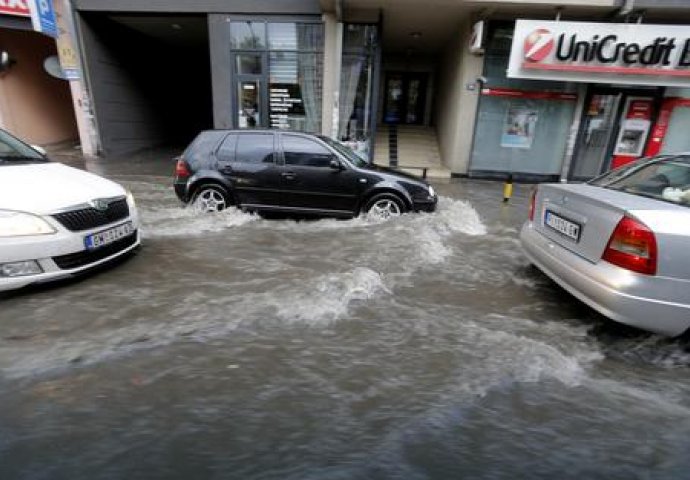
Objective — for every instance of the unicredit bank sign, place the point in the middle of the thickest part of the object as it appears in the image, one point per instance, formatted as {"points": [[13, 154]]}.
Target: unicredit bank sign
{"points": [[601, 52]]}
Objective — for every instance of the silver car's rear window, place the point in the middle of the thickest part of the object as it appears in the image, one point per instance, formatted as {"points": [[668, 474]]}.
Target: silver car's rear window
{"points": [[665, 178]]}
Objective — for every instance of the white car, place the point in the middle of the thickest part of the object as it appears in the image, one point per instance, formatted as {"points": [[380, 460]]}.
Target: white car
{"points": [[57, 221]]}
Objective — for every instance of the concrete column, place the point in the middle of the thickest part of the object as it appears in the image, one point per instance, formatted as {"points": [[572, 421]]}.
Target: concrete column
{"points": [[332, 54], [457, 100], [86, 125]]}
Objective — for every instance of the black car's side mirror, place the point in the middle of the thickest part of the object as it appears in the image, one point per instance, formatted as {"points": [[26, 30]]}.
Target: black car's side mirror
{"points": [[336, 165]]}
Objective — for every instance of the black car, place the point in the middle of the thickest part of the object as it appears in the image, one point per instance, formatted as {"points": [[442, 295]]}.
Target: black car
{"points": [[291, 172]]}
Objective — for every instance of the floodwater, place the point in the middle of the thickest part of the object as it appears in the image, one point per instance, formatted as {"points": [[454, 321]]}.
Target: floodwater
{"points": [[425, 347]]}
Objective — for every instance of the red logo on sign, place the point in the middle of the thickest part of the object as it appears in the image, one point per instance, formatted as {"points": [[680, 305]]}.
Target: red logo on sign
{"points": [[14, 7], [538, 45]]}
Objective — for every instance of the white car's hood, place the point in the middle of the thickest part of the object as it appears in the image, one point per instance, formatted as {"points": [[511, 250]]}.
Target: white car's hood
{"points": [[47, 187]]}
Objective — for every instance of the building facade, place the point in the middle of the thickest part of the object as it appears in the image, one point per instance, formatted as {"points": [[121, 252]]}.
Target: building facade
{"points": [[34, 104], [462, 87]]}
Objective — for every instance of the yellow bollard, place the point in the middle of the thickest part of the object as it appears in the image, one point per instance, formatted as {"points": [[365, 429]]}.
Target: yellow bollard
{"points": [[508, 189]]}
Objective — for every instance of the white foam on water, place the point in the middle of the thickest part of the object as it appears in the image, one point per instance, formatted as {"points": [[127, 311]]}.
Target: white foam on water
{"points": [[184, 222], [200, 315], [328, 297], [196, 317], [653, 350], [521, 350], [457, 216]]}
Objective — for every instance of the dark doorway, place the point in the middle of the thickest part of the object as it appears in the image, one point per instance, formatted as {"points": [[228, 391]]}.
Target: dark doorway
{"points": [[150, 78], [405, 98]]}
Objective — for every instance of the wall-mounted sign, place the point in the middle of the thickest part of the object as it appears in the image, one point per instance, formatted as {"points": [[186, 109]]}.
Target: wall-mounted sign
{"points": [[601, 52], [43, 17], [19, 8], [285, 102], [477, 38]]}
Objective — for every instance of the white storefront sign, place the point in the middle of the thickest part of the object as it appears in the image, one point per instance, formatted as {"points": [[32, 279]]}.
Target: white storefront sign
{"points": [[635, 54]]}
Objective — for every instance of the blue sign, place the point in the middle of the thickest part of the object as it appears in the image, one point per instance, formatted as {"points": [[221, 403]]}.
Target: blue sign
{"points": [[43, 17]]}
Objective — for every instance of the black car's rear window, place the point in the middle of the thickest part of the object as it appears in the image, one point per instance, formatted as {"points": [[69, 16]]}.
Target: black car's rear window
{"points": [[203, 145], [664, 178]]}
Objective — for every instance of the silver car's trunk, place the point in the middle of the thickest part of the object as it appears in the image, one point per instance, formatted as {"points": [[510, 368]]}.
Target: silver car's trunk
{"points": [[597, 211], [584, 206]]}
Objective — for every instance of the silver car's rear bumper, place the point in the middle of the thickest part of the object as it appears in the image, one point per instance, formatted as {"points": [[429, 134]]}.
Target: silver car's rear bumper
{"points": [[614, 292]]}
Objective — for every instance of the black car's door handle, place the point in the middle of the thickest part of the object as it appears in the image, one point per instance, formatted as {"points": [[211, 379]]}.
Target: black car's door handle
{"points": [[288, 175]]}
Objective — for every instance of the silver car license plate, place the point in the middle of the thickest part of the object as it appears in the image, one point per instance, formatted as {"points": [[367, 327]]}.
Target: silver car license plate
{"points": [[105, 237], [563, 226]]}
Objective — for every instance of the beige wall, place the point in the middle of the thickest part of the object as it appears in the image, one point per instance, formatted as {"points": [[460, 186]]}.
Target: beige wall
{"points": [[456, 106], [33, 105]]}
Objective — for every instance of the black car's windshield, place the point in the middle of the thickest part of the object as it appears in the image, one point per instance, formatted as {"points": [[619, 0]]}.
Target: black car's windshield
{"points": [[13, 150], [352, 157], [664, 178]]}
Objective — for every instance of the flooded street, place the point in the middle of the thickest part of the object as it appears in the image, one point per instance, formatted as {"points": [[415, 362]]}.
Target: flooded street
{"points": [[425, 347]]}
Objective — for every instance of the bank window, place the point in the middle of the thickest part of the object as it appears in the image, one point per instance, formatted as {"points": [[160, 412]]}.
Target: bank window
{"points": [[226, 151], [248, 35], [525, 132], [254, 148], [305, 152]]}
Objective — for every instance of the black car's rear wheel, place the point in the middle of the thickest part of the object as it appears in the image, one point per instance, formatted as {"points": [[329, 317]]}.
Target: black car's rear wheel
{"points": [[210, 199], [384, 206]]}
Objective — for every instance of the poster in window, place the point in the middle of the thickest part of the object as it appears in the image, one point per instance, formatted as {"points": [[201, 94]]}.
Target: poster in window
{"points": [[519, 127]]}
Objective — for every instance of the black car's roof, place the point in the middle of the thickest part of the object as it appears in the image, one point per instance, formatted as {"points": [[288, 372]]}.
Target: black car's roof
{"points": [[260, 130]]}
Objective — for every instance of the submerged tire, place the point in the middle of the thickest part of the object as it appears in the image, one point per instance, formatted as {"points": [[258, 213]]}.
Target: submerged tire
{"points": [[210, 199], [384, 206]]}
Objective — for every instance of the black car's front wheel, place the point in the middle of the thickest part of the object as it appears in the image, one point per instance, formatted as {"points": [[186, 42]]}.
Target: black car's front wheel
{"points": [[384, 206], [210, 199]]}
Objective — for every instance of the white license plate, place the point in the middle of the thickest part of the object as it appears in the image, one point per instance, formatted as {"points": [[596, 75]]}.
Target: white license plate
{"points": [[562, 226], [106, 237]]}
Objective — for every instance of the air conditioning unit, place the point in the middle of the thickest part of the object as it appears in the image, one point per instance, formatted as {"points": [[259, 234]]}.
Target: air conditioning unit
{"points": [[477, 38]]}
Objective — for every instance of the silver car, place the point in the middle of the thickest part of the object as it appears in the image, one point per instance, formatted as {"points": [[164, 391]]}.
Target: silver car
{"points": [[620, 243]]}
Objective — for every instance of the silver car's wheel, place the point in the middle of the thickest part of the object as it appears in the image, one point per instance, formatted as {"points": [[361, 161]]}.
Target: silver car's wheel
{"points": [[210, 199], [384, 206]]}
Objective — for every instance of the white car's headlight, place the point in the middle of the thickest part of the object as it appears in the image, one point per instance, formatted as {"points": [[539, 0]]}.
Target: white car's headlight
{"points": [[431, 191], [17, 224], [130, 200]]}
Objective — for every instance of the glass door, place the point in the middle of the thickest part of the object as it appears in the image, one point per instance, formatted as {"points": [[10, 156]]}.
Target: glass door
{"points": [[594, 145], [250, 90], [405, 99]]}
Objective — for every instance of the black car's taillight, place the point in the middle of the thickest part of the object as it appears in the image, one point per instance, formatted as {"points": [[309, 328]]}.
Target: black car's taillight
{"points": [[182, 169]]}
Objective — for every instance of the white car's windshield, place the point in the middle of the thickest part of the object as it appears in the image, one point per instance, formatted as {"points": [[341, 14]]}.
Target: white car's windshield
{"points": [[664, 178], [13, 150]]}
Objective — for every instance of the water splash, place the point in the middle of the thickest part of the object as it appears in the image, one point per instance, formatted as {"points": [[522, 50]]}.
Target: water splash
{"points": [[183, 222], [328, 297]]}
